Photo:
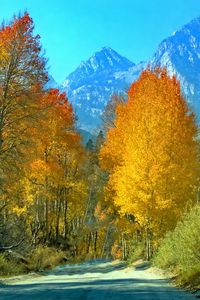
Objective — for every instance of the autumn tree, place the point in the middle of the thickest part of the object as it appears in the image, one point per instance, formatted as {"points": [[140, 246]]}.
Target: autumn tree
{"points": [[151, 155], [44, 181], [96, 229], [22, 77], [54, 170]]}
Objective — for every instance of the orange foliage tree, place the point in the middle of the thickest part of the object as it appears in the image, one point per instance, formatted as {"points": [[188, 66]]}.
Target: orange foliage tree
{"points": [[41, 180], [22, 77], [53, 171], [22, 74]]}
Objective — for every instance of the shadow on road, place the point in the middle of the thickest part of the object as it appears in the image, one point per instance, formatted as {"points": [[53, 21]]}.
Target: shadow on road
{"points": [[86, 268], [142, 266], [116, 288]]}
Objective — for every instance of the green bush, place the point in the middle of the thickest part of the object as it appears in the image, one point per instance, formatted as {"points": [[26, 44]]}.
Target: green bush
{"points": [[180, 249], [8, 267], [137, 252], [43, 257]]}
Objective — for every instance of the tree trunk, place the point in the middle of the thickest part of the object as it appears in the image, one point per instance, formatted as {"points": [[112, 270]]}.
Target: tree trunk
{"points": [[148, 244], [95, 243], [65, 219], [88, 243], [58, 218], [104, 244]]}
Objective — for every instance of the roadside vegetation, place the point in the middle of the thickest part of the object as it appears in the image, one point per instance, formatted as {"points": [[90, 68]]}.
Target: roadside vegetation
{"points": [[39, 259], [179, 251]]}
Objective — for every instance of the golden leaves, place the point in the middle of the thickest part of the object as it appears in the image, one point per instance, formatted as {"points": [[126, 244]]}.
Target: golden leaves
{"points": [[152, 153]]}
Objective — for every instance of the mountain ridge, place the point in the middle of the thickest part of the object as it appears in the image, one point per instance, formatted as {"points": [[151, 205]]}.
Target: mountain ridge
{"points": [[90, 86], [180, 53]]}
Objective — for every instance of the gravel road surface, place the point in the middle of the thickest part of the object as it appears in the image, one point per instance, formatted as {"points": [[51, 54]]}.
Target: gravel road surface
{"points": [[93, 281]]}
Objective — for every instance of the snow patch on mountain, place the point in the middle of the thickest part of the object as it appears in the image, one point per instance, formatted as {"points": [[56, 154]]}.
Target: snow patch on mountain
{"points": [[180, 53]]}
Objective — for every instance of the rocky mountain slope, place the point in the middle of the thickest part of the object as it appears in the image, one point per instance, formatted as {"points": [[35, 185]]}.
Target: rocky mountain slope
{"points": [[91, 85], [180, 53]]}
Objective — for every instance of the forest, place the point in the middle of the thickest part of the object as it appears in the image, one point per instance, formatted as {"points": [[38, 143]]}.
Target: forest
{"points": [[131, 193]]}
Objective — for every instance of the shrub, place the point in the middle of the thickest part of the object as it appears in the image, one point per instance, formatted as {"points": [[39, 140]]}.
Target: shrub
{"points": [[43, 257], [8, 267], [180, 249], [137, 252]]}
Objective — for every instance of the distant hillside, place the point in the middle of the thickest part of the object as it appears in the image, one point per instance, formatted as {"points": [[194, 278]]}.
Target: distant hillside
{"points": [[86, 135]]}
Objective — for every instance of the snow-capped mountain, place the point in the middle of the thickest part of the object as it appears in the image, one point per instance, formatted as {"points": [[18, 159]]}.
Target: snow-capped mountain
{"points": [[180, 53], [91, 85]]}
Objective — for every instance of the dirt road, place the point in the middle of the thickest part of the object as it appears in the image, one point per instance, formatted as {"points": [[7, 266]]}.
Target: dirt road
{"points": [[93, 281]]}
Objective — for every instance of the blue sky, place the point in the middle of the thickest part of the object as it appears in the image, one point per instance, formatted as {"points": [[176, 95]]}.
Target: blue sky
{"points": [[72, 30]]}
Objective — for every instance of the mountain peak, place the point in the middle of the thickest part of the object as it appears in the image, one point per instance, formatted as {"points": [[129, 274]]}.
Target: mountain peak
{"points": [[194, 22], [180, 53], [92, 84], [107, 57], [102, 63], [107, 49], [182, 45], [103, 60]]}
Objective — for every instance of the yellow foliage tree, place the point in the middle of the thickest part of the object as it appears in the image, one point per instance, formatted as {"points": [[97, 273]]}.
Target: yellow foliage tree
{"points": [[151, 153], [54, 167]]}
